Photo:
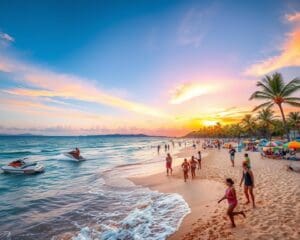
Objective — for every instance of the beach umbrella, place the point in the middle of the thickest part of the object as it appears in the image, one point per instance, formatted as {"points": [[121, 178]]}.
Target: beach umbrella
{"points": [[294, 144], [279, 143], [263, 141], [271, 144]]}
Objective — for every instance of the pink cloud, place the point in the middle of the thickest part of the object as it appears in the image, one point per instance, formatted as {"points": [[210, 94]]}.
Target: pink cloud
{"points": [[45, 83], [288, 56], [295, 17]]}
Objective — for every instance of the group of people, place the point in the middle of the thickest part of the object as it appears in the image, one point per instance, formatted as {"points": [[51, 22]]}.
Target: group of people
{"points": [[167, 147], [191, 166], [230, 193], [187, 166], [247, 179]]}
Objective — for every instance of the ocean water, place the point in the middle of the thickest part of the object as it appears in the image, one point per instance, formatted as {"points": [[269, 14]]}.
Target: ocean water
{"points": [[87, 200]]}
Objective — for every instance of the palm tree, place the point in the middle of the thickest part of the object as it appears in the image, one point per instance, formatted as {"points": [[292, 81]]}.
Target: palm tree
{"points": [[248, 123], [274, 91], [278, 128], [236, 130], [266, 117], [294, 121]]}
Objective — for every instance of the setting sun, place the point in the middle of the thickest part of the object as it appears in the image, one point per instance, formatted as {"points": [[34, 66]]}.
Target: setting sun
{"points": [[208, 123]]}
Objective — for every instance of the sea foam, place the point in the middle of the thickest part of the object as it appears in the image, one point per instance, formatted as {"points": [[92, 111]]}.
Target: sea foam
{"points": [[155, 217]]}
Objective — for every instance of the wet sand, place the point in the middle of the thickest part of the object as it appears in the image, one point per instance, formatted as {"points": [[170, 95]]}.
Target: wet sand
{"points": [[277, 215]]}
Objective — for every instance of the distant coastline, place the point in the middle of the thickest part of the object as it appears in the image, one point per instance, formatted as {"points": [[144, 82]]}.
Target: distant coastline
{"points": [[96, 135]]}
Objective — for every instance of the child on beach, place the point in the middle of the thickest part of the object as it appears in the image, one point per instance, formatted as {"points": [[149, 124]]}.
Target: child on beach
{"points": [[193, 164], [199, 160], [232, 153], [169, 164], [230, 195], [248, 180], [185, 167]]}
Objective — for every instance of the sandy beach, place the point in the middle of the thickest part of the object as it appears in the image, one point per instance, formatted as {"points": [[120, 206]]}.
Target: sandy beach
{"points": [[277, 192]]}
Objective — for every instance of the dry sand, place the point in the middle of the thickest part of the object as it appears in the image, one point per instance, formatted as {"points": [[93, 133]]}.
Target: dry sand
{"points": [[277, 191]]}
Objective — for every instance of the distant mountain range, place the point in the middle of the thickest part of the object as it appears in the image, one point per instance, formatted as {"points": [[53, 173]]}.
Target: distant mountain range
{"points": [[98, 135], [19, 135]]}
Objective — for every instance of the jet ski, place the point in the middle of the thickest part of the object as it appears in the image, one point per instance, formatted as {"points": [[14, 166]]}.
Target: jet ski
{"points": [[22, 167], [74, 158]]}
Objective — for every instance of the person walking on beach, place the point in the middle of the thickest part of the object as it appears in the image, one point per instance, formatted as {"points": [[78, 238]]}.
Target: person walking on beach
{"points": [[232, 154], [169, 164], [185, 167], [193, 164], [199, 160], [248, 180], [158, 149], [247, 160], [230, 195]]}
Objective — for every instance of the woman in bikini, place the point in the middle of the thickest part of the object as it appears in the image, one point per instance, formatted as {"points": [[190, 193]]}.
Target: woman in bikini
{"points": [[185, 167], [248, 180], [230, 195]]}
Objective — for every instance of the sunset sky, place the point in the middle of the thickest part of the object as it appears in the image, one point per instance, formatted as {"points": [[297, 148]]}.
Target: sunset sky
{"points": [[153, 67]]}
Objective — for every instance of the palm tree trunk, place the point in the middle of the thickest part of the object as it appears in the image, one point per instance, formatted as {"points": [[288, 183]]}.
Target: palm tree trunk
{"points": [[284, 122]]}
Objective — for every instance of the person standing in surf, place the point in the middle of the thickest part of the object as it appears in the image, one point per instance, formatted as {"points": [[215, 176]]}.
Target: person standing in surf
{"points": [[232, 154], [230, 195], [169, 164]]}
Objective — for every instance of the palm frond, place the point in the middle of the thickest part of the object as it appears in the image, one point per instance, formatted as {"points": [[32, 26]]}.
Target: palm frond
{"points": [[289, 91], [266, 104], [292, 99], [295, 104], [260, 95], [291, 85], [277, 83], [265, 88]]}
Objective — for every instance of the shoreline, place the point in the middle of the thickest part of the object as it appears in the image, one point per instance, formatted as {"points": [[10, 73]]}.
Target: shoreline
{"points": [[276, 204], [210, 190]]}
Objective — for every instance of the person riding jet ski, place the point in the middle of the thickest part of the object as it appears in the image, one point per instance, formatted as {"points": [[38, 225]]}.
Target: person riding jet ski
{"points": [[17, 163], [75, 153]]}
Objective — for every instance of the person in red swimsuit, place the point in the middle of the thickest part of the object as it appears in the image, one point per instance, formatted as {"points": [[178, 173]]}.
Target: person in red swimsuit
{"points": [[230, 195], [169, 164]]}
